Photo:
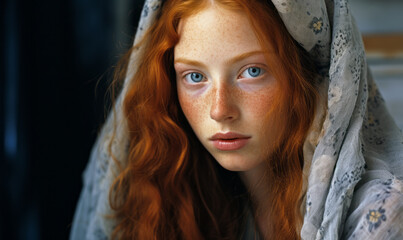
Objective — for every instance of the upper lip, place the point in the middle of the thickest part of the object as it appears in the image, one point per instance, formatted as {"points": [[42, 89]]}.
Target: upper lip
{"points": [[227, 136]]}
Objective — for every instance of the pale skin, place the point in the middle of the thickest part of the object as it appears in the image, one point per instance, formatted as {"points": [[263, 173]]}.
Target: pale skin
{"points": [[224, 86]]}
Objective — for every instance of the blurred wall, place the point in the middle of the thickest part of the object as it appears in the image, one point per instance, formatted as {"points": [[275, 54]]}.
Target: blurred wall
{"points": [[53, 54], [381, 23]]}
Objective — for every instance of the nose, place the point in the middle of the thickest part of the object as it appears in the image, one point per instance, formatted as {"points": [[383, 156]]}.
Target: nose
{"points": [[224, 107]]}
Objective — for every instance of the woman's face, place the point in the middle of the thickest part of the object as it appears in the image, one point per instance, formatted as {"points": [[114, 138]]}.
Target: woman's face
{"points": [[225, 89]]}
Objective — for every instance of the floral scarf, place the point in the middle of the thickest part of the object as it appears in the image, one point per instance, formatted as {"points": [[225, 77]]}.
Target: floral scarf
{"points": [[354, 157]]}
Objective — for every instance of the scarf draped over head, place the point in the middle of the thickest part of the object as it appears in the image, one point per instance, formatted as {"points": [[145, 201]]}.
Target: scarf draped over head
{"points": [[354, 187]]}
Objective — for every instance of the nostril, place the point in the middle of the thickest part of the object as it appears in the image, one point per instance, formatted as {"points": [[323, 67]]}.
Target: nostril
{"points": [[224, 111], [224, 106]]}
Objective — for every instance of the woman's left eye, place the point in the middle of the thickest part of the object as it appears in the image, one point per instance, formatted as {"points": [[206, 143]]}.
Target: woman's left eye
{"points": [[252, 72]]}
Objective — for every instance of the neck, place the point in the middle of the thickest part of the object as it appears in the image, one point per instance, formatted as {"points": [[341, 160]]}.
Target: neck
{"points": [[256, 183]]}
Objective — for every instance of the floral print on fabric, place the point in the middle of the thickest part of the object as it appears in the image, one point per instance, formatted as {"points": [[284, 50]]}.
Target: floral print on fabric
{"points": [[283, 6], [316, 25], [308, 22], [375, 218], [379, 218], [357, 127]]}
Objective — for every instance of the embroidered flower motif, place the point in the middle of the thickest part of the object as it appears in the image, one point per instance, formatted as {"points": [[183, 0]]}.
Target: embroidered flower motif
{"points": [[308, 209], [145, 11], [374, 97], [379, 140], [154, 5], [375, 218], [376, 140], [334, 95], [372, 121], [316, 25], [283, 6]]}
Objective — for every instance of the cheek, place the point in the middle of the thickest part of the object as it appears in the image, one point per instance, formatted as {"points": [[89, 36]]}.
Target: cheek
{"points": [[260, 105], [271, 116], [266, 118], [192, 107]]}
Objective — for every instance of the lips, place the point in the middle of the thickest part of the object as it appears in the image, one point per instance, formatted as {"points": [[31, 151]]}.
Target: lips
{"points": [[229, 141]]}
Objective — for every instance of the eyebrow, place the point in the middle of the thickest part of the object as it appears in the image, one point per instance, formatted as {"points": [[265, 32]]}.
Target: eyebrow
{"points": [[230, 61]]}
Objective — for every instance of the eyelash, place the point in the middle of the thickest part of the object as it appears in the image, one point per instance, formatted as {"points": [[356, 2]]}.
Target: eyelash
{"points": [[261, 71], [188, 76]]}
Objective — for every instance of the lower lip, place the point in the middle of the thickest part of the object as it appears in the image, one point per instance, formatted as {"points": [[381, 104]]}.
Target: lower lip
{"points": [[230, 144]]}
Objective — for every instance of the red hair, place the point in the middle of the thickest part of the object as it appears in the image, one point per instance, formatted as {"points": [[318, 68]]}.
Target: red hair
{"points": [[171, 187]]}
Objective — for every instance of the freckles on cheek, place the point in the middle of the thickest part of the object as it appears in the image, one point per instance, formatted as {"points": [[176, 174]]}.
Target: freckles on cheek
{"points": [[260, 104], [192, 107]]}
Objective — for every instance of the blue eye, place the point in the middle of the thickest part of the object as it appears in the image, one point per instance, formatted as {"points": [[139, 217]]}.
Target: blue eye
{"points": [[194, 77], [252, 72]]}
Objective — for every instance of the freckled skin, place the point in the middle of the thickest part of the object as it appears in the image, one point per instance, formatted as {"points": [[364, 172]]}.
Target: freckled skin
{"points": [[224, 102]]}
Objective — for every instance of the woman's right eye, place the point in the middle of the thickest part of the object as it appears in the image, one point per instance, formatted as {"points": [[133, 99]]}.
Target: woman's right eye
{"points": [[194, 77]]}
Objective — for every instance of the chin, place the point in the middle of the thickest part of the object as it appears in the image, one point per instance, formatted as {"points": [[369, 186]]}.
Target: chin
{"points": [[236, 163]]}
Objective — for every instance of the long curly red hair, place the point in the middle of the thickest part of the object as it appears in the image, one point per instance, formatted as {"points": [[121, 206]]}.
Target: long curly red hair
{"points": [[171, 187]]}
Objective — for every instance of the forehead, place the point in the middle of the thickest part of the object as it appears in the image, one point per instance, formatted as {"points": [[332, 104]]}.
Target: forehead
{"points": [[216, 32]]}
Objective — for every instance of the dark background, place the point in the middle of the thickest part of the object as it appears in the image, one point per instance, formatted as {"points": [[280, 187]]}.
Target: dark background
{"points": [[57, 59]]}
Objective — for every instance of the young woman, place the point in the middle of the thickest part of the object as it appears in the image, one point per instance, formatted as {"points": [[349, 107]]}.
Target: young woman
{"points": [[243, 119]]}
